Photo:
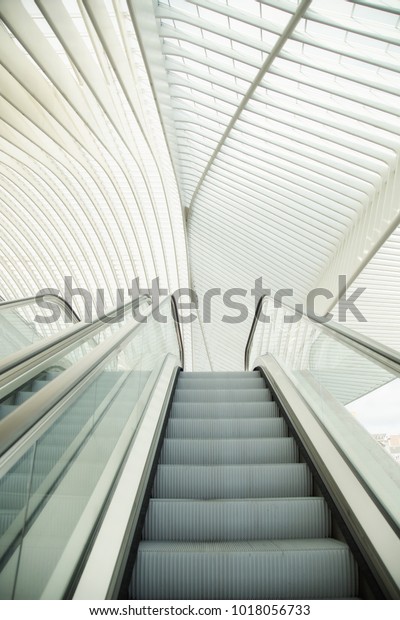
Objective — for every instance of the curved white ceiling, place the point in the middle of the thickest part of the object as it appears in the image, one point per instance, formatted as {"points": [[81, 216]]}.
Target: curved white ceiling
{"points": [[274, 122], [284, 117], [87, 186], [377, 296]]}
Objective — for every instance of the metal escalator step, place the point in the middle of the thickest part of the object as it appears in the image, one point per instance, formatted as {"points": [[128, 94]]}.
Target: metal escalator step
{"points": [[7, 516], [22, 396], [22, 466], [38, 384], [223, 384], [59, 435], [15, 483], [245, 570], [229, 428], [52, 374], [47, 457], [99, 390], [80, 411], [10, 500], [224, 410], [232, 481], [219, 375], [228, 451], [5, 410], [224, 520], [222, 396]]}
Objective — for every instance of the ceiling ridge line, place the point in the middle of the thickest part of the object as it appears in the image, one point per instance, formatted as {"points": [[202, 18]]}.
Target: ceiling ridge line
{"points": [[290, 27]]}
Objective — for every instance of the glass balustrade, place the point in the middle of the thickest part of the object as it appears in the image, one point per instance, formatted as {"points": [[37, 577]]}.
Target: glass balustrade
{"points": [[52, 493]]}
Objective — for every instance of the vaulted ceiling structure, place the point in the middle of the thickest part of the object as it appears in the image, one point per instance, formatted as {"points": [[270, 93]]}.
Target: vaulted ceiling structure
{"points": [[209, 143]]}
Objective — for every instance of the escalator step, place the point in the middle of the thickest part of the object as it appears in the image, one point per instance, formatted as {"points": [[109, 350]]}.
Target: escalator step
{"points": [[222, 396], [228, 451], [15, 483], [47, 457], [224, 410], [221, 384], [49, 375], [22, 396], [5, 410], [219, 375], [232, 481], [228, 428], [257, 570], [10, 500], [232, 514], [38, 385], [60, 435], [224, 520], [7, 516]]}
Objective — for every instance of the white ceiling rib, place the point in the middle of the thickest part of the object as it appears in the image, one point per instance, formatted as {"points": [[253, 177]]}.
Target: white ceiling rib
{"points": [[82, 147], [281, 119], [286, 141]]}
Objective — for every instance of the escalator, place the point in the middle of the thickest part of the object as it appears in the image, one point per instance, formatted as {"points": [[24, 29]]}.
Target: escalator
{"points": [[17, 397], [63, 436], [126, 476], [22, 322], [28, 370], [64, 457], [232, 513]]}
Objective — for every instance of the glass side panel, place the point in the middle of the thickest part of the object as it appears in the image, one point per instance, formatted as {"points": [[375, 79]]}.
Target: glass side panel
{"points": [[23, 325], [70, 354], [355, 397], [53, 495]]}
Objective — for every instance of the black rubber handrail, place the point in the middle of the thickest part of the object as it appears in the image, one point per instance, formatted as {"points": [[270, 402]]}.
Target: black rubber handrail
{"points": [[175, 316]]}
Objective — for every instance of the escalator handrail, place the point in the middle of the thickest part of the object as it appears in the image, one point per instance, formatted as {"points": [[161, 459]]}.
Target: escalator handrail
{"points": [[175, 315], [49, 345], [15, 426], [369, 347], [57, 299], [353, 496]]}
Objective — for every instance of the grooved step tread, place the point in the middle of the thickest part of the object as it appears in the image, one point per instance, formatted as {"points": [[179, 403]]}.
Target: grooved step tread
{"points": [[229, 520], [22, 396], [224, 410], [279, 569], [228, 451], [230, 428], [38, 384], [232, 481], [222, 384], [219, 375], [222, 396], [5, 410], [231, 514]]}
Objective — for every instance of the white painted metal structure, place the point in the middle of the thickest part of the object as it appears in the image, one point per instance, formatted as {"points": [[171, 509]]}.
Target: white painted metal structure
{"points": [[273, 122], [379, 301], [87, 187]]}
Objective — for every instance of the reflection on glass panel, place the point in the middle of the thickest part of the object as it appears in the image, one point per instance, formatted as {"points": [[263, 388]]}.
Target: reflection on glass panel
{"points": [[307, 347], [65, 477], [16, 332], [353, 395], [344, 372], [385, 427], [70, 355], [20, 327]]}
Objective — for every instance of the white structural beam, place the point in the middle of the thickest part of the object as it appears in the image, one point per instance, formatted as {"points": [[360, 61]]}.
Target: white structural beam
{"points": [[254, 85]]}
